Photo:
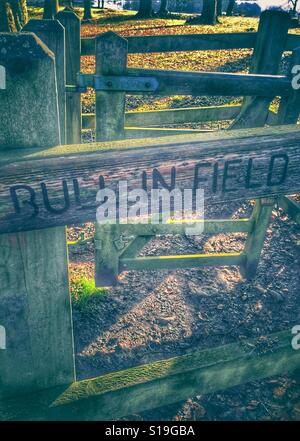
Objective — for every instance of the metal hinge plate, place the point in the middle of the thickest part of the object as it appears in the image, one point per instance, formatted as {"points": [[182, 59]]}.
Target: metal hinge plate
{"points": [[125, 83], [118, 83]]}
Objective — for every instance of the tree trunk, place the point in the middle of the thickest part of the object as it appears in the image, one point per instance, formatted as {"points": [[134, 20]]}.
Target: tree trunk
{"points": [[7, 22], [145, 9], [294, 8], [163, 10], [209, 12], [230, 7], [219, 8], [50, 9], [13, 15], [208, 15], [87, 10]]}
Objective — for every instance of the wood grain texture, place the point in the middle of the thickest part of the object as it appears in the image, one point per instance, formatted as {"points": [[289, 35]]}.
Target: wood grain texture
{"points": [[35, 311], [27, 62], [62, 182]]}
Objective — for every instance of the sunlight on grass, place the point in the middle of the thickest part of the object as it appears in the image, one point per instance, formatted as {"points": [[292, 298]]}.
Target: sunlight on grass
{"points": [[82, 291]]}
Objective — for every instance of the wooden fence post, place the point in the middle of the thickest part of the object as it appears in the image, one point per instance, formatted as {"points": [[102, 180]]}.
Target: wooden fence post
{"points": [[20, 125], [111, 59], [52, 33], [71, 23], [34, 294], [255, 240], [270, 44]]}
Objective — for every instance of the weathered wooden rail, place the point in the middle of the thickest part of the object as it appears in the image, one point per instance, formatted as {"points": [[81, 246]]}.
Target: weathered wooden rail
{"points": [[58, 186], [168, 82], [190, 42]]}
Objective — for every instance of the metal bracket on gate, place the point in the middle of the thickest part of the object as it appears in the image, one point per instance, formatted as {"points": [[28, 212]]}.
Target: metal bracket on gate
{"points": [[125, 83], [114, 83]]}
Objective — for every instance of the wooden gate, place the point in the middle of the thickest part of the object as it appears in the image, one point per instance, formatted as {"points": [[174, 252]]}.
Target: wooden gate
{"points": [[45, 185]]}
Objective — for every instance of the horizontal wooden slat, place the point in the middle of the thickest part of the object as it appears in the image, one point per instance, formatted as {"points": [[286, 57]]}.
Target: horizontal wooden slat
{"points": [[189, 42], [209, 83], [209, 226], [220, 83], [176, 116], [182, 261], [150, 132], [176, 43], [181, 116], [160, 383], [61, 182], [171, 116]]}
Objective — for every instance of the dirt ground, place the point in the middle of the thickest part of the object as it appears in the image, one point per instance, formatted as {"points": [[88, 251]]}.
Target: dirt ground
{"points": [[153, 315]]}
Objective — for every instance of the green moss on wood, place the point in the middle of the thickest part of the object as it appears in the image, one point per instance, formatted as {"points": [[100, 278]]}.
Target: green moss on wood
{"points": [[169, 381], [66, 150]]}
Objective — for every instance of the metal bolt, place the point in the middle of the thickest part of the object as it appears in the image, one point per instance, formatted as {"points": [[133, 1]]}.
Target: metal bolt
{"points": [[148, 85], [109, 84]]}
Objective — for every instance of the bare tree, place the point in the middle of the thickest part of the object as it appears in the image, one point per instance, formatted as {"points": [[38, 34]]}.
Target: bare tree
{"points": [[50, 9], [208, 15], [294, 6], [87, 15], [163, 10], [145, 9], [7, 23], [209, 12], [230, 7], [13, 15]]}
